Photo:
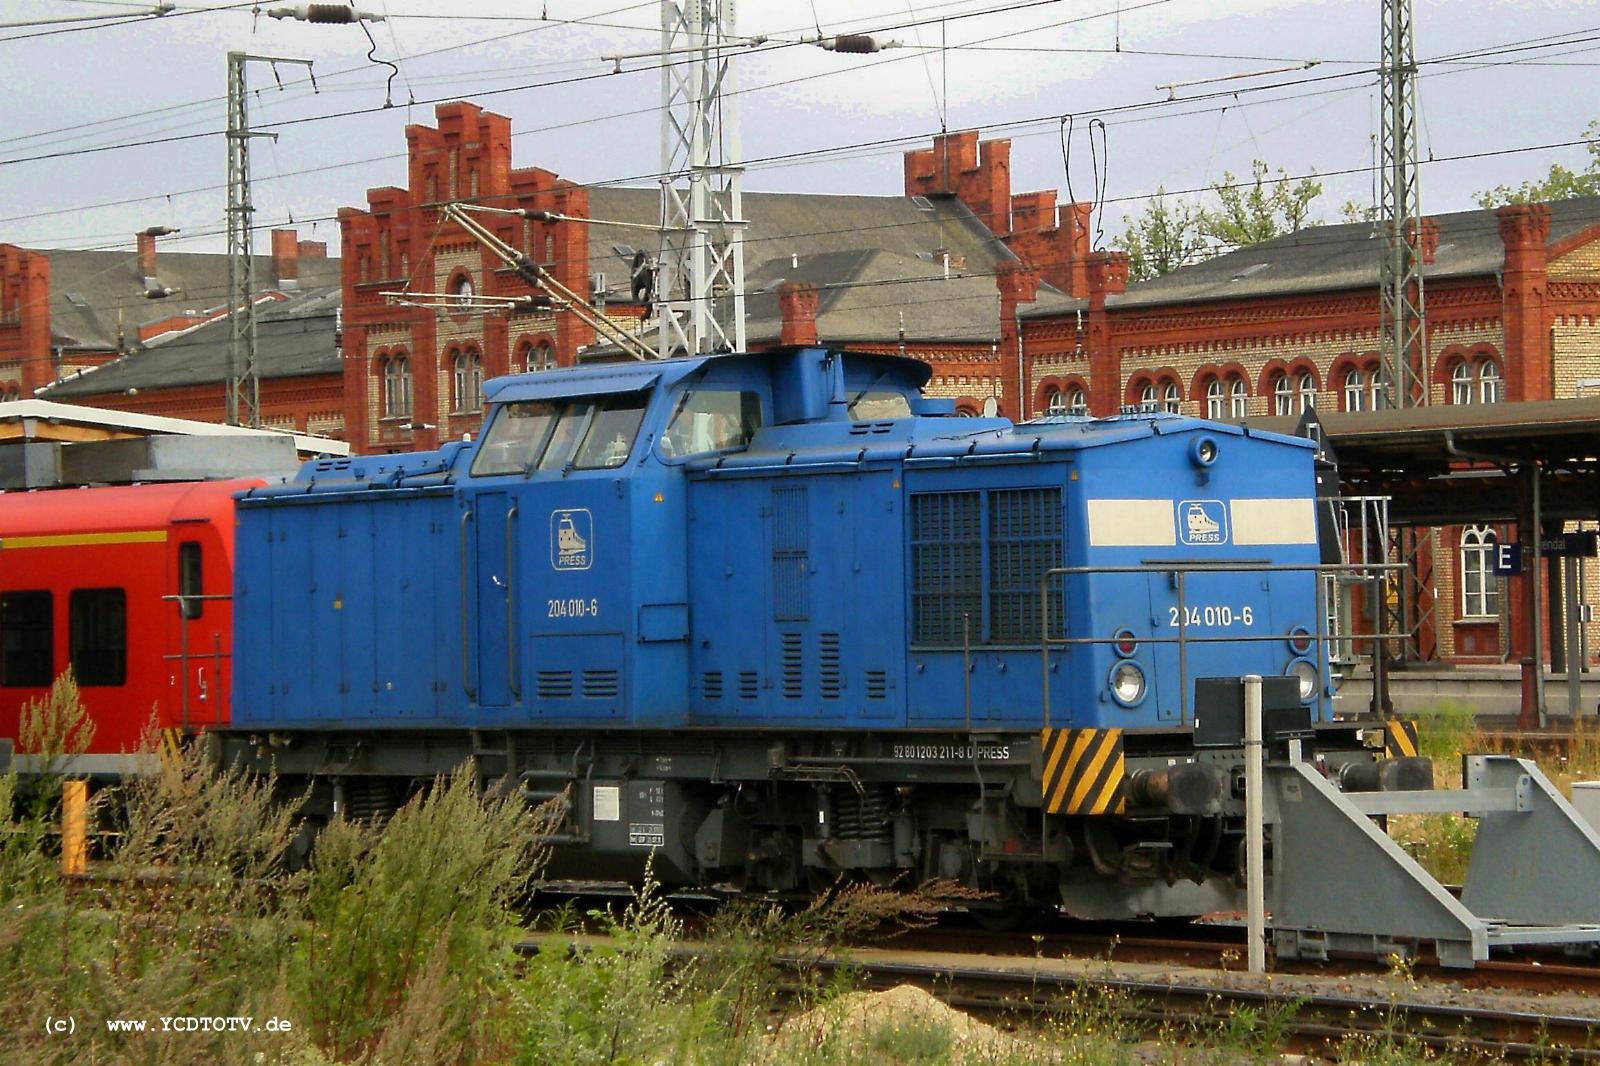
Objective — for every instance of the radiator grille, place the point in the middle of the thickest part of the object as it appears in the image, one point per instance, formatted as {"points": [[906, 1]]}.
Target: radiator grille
{"points": [[1024, 542], [947, 567]]}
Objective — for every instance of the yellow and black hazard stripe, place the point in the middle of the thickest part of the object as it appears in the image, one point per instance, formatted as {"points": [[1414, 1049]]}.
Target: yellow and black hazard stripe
{"points": [[172, 747], [1400, 738], [1083, 771]]}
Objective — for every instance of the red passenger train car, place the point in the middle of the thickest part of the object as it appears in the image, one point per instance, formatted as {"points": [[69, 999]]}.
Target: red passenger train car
{"points": [[87, 580]]}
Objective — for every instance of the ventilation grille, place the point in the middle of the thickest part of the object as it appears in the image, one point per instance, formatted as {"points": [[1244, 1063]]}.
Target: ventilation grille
{"points": [[793, 664], [711, 684], [600, 684], [877, 685], [947, 568], [1025, 541], [749, 684], [828, 665], [325, 465], [555, 685], [790, 555]]}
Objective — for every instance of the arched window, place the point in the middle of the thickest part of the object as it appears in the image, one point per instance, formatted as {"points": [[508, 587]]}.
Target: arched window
{"points": [[468, 368], [1238, 399], [1147, 395], [1171, 398], [1282, 395], [1490, 383], [1055, 404], [1214, 408], [1461, 390], [1480, 588], [544, 357], [397, 387], [1308, 392], [1077, 402], [1380, 389], [1355, 390], [462, 291]]}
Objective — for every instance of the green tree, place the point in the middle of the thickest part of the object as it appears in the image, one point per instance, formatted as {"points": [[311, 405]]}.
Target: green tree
{"points": [[1171, 233], [1162, 239], [1561, 183], [1264, 207]]}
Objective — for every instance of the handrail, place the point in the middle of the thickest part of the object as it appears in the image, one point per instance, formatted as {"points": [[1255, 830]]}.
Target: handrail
{"points": [[466, 613], [513, 680], [1320, 635]]}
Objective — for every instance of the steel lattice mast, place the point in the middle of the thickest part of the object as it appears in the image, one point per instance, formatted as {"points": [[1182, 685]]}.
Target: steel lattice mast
{"points": [[243, 393], [1403, 328], [699, 290]]}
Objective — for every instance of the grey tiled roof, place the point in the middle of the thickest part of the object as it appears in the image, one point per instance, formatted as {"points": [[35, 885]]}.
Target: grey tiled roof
{"points": [[97, 296], [1344, 256], [875, 258], [295, 337]]}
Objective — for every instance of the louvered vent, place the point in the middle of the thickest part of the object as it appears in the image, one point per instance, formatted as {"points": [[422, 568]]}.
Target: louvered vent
{"points": [[711, 684], [828, 665], [793, 666], [749, 684], [555, 685], [877, 685], [600, 684]]}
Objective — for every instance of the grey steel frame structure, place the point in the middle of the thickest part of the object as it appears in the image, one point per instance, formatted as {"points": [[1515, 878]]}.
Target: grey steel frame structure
{"points": [[699, 291]]}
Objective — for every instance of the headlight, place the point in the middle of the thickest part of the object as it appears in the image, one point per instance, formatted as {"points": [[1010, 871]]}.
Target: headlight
{"points": [[1303, 671], [1203, 451], [1125, 643], [1300, 640], [1127, 683]]}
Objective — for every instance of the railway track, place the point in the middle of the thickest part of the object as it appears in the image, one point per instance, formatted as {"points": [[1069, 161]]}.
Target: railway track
{"points": [[1164, 984]]}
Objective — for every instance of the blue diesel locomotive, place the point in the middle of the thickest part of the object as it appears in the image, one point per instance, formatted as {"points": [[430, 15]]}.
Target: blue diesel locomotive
{"points": [[779, 618]]}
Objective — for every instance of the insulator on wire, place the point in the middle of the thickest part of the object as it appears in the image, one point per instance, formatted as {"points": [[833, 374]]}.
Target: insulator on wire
{"points": [[324, 13]]}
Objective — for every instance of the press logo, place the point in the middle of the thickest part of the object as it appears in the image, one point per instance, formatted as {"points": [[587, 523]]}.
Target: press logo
{"points": [[571, 537], [1202, 522]]}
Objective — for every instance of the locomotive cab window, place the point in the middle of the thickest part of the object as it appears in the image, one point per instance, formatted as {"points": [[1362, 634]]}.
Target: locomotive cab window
{"points": [[189, 580], [872, 405], [99, 627], [611, 432], [515, 439], [27, 646], [711, 420]]}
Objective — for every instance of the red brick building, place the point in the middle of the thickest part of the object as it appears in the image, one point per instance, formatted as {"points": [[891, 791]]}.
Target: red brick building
{"points": [[148, 332]]}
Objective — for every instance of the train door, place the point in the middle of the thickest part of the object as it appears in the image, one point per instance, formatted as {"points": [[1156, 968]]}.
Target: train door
{"points": [[493, 521], [202, 670]]}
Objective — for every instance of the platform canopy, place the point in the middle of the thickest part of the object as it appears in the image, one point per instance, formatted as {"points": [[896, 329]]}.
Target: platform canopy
{"points": [[44, 421], [1466, 464]]}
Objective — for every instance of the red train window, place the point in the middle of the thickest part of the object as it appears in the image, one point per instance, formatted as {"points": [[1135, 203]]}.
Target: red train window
{"points": [[27, 647], [99, 624], [189, 579]]}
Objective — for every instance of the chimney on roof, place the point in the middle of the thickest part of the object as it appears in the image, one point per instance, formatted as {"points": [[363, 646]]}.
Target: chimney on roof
{"points": [[797, 304], [146, 239], [286, 258], [313, 249]]}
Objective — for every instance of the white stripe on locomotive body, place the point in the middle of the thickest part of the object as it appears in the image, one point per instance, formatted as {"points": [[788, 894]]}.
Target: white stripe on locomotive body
{"points": [[1289, 520], [1150, 523], [1132, 524]]}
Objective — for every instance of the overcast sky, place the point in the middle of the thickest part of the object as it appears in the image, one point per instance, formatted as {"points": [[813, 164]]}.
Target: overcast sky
{"points": [[75, 86]]}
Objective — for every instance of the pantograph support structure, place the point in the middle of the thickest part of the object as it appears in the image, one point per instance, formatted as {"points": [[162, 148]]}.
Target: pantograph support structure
{"points": [[699, 290], [243, 393]]}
